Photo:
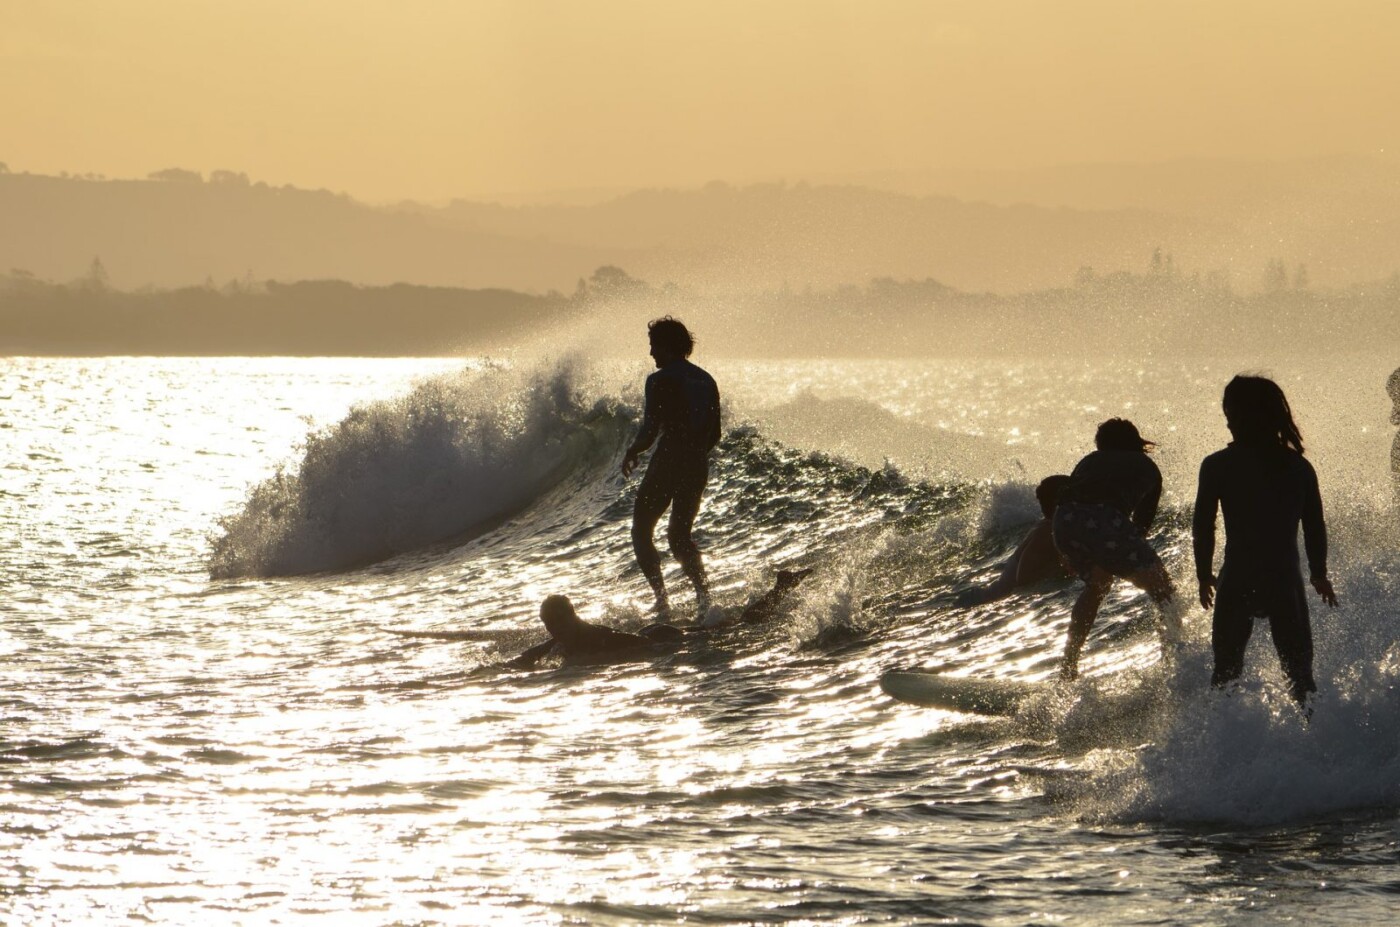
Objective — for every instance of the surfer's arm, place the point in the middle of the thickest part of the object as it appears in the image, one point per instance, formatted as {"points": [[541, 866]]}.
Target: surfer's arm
{"points": [[713, 437], [529, 658], [651, 427], [1146, 510], [1203, 532], [1315, 540]]}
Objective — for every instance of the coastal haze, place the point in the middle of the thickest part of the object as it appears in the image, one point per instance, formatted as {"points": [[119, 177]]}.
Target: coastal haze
{"points": [[995, 147], [323, 338]]}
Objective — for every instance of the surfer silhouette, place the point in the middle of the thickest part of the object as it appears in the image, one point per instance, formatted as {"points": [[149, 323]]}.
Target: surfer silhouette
{"points": [[1266, 489], [1100, 525], [577, 641], [1035, 560], [681, 417]]}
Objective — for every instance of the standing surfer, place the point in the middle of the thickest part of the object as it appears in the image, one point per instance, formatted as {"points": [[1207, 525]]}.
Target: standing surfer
{"points": [[681, 416], [1100, 527], [1266, 488]]}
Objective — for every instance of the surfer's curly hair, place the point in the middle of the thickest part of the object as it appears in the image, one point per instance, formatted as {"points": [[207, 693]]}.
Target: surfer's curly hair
{"points": [[671, 334], [1119, 434]]}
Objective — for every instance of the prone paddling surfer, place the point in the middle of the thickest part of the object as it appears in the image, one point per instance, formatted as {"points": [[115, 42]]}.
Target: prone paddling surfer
{"points": [[681, 416], [578, 641], [575, 640]]}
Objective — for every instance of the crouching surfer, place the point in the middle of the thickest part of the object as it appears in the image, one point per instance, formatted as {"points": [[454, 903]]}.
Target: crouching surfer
{"points": [[576, 641], [1100, 526]]}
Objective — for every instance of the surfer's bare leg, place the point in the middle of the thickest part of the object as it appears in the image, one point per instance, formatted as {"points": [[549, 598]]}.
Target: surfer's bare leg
{"points": [[684, 508], [651, 504], [1081, 619], [1158, 584], [1155, 582]]}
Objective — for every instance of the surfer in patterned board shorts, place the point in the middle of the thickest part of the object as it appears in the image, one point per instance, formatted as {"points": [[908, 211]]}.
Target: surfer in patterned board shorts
{"points": [[1100, 526], [681, 417]]}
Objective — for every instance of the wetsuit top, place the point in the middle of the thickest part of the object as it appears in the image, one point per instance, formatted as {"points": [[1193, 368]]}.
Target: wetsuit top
{"points": [[682, 405], [593, 640], [1127, 480], [1265, 491]]}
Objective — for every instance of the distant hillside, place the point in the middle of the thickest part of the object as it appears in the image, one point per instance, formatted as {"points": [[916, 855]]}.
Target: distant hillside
{"points": [[174, 232], [313, 318], [1339, 220], [724, 237]]}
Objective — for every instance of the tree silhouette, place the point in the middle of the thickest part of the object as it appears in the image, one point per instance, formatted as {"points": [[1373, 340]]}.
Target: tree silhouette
{"points": [[176, 175]]}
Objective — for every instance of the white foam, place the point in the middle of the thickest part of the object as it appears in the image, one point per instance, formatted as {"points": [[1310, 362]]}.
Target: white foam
{"points": [[456, 453], [1251, 756]]}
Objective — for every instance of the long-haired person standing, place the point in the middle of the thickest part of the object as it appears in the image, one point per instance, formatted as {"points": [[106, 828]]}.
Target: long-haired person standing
{"points": [[1266, 489]]}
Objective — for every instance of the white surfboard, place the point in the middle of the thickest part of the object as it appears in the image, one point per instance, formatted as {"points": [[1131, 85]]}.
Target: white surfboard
{"points": [[958, 693]]}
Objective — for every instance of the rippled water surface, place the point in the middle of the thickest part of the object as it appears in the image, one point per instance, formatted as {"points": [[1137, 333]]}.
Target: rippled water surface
{"points": [[196, 729]]}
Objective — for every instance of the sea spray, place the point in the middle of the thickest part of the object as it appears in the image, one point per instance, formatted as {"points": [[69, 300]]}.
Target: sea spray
{"points": [[454, 455], [1249, 755]]}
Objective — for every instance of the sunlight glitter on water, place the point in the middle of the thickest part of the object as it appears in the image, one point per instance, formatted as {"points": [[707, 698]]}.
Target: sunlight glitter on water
{"points": [[253, 749]]}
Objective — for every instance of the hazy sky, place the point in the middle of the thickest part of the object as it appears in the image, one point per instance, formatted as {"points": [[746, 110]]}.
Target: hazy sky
{"points": [[438, 98]]}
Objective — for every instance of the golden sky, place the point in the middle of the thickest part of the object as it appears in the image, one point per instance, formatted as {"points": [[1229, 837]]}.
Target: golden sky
{"points": [[431, 99]]}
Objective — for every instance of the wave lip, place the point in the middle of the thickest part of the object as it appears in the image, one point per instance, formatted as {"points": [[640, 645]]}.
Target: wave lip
{"points": [[448, 460]]}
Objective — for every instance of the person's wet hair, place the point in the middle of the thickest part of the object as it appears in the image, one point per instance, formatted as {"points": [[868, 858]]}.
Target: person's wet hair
{"points": [[1048, 493], [1392, 386], [672, 335], [1258, 412], [1119, 434], [558, 615]]}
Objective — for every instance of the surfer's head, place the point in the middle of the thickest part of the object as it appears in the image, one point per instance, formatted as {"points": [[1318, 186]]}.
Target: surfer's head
{"points": [[1119, 434], [1256, 411], [559, 617], [1048, 493], [1392, 386], [670, 339]]}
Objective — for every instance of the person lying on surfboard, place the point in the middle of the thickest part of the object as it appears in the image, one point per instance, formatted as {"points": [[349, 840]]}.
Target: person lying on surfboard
{"points": [[1035, 561], [575, 640]]}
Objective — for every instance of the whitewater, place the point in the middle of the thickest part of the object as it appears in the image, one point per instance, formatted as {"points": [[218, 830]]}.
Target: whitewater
{"points": [[211, 717]]}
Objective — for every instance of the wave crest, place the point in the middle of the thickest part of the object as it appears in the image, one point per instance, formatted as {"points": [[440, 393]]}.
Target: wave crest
{"points": [[451, 458]]}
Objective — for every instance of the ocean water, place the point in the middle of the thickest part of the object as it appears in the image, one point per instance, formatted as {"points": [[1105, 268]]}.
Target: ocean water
{"points": [[209, 716]]}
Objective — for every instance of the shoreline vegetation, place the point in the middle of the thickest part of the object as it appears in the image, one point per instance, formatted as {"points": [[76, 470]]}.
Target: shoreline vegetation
{"points": [[1162, 308]]}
